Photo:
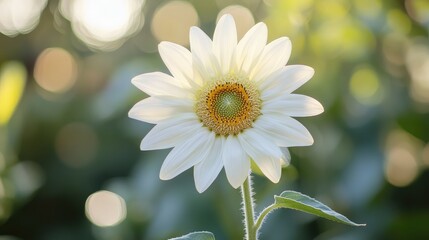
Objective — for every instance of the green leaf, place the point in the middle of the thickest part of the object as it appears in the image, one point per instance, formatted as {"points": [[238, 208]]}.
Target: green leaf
{"points": [[196, 236], [304, 203]]}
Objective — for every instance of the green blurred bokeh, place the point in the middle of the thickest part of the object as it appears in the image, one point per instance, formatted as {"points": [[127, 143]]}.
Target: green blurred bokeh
{"points": [[65, 91]]}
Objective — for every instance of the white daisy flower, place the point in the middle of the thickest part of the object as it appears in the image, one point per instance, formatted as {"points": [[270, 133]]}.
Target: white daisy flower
{"points": [[227, 103]]}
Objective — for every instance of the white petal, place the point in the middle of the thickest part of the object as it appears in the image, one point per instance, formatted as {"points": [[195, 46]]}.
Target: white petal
{"points": [[160, 84], [286, 160], [284, 131], [274, 56], [171, 132], [206, 171], [250, 47], [294, 105], [204, 62], [236, 162], [186, 155], [263, 152], [156, 109], [285, 80], [225, 41], [178, 61]]}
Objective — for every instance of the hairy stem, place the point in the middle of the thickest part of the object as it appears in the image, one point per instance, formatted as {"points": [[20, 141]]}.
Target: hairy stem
{"points": [[248, 210], [263, 214]]}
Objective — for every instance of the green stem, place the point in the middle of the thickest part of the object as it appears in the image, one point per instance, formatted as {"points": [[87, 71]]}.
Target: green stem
{"points": [[248, 211], [263, 214]]}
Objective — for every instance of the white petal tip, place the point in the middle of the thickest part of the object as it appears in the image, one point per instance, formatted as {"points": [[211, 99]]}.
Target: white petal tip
{"points": [[136, 114], [234, 183], [144, 146], [303, 70], [275, 180], [200, 185], [305, 140], [309, 71], [134, 80], [164, 46], [310, 141], [322, 109], [275, 176], [200, 189], [163, 43], [164, 176], [194, 29], [203, 183], [261, 27], [261, 24], [285, 40], [285, 161], [132, 114], [226, 17], [315, 108]]}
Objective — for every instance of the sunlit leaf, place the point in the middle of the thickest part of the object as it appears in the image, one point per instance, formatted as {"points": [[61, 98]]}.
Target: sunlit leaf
{"points": [[304, 203], [196, 236]]}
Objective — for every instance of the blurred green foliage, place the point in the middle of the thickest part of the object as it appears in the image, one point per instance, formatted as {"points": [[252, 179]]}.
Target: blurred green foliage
{"points": [[61, 143]]}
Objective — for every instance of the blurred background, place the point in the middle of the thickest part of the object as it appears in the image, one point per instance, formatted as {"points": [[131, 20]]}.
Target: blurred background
{"points": [[70, 164]]}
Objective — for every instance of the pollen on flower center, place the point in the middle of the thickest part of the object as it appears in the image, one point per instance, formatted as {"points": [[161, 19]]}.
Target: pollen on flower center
{"points": [[228, 105]]}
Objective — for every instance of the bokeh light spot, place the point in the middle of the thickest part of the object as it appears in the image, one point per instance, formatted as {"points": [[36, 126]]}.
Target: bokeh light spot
{"points": [[401, 167], [55, 70], [243, 18], [76, 144], [13, 76], [171, 22], [365, 86], [20, 16], [103, 24], [418, 10], [26, 177], [417, 62], [105, 209]]}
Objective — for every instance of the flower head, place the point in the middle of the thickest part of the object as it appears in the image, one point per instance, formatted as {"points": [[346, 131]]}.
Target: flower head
{"points": [[227, 103]]}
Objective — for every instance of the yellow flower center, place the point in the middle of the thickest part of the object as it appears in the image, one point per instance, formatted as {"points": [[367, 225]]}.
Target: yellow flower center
{"points": [[228, 105]]}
